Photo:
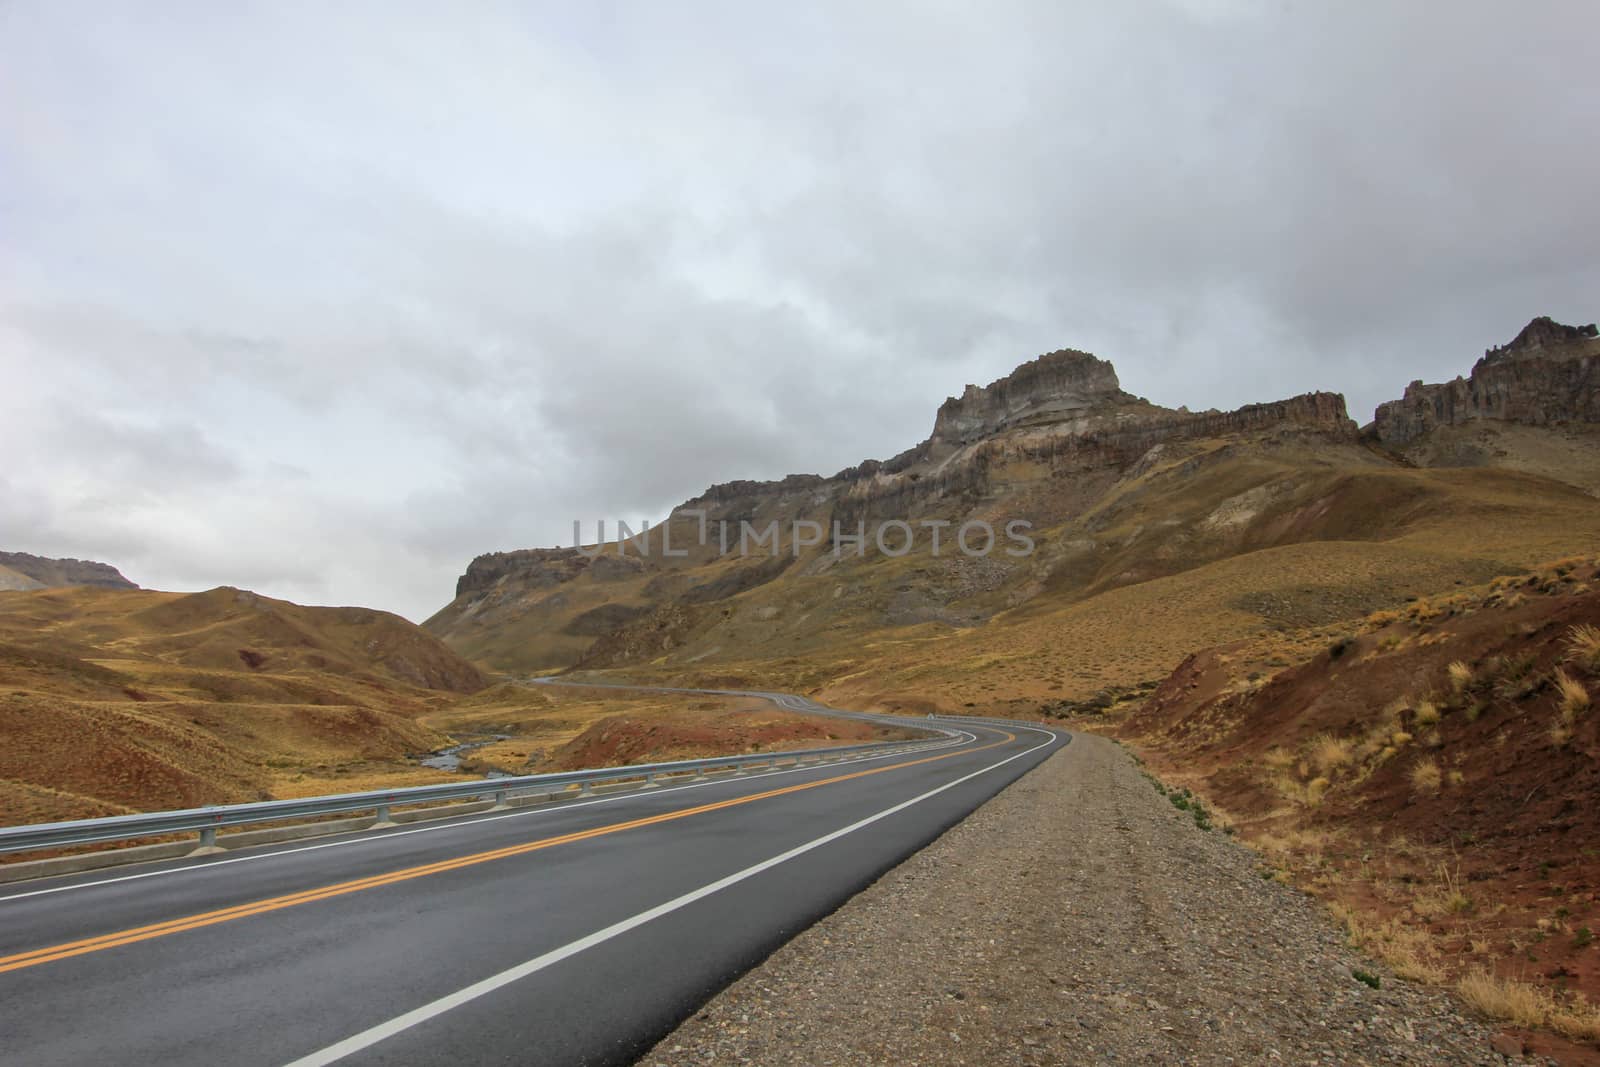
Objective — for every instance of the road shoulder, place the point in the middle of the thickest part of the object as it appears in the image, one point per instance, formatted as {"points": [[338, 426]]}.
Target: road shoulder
{"points": [[1076, 917]]}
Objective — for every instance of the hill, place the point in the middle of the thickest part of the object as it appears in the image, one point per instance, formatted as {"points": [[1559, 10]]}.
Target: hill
{"points": [[128, 700], [115, 700]]}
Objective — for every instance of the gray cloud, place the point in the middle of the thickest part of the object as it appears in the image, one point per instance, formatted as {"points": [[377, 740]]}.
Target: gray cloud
{"points": [[325, 301]]}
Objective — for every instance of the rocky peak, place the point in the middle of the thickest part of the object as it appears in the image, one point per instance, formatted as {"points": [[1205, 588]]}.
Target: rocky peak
{"points": [[1549, 373], [1545, 336], [1055, 387]]}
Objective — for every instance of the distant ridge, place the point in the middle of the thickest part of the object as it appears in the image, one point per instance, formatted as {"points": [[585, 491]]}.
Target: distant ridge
{"points": [[54, 573]]}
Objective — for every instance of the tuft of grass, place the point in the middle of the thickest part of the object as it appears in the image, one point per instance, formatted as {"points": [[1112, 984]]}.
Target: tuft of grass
{"points": [[1315, 790], [1573, 694], [1583, 648], [1461, 676], [1330, 753], [1366, 978], [1504, 998], [1427, 713], [1426, 776], [1399, 738], [1524, 1004]]}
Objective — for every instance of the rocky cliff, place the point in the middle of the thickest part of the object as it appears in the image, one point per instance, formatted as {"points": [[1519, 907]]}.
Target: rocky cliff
{"points": [[61, 572], [1548, 374]]}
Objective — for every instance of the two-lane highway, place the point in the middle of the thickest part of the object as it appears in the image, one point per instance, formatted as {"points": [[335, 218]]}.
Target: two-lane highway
{"points": [[576, 933]]}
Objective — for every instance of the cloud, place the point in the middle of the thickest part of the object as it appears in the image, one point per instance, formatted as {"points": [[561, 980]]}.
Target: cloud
{"points": [[295, 304]]}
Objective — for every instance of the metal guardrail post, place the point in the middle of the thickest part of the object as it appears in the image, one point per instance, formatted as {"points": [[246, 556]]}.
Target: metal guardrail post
{"points": [[207, 845], [649, 782], [383, 820]]}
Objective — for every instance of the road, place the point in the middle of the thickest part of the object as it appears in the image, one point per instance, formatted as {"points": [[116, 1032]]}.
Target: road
{"points": [[576, 933]]}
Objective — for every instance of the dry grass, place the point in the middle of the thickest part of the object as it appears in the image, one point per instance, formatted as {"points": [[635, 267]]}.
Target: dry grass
{"points": [[1409, 950], [1427, 713], [1328, 753], [1461, 676], [1583, 648], [1524, 1004], [1573, 694], [1446, 898], [1426, 776], [1315, 789], [1504, 998]]}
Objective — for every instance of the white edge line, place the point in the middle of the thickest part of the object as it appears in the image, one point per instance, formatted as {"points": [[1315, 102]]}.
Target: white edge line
{"points": [[371, 1036], [446, 823]]}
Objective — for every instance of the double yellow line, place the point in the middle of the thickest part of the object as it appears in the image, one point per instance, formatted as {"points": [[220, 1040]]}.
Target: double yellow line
{"points": [[211, 918]]}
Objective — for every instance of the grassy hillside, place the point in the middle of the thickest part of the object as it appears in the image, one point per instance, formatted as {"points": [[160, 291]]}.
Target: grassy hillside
{"points": [[114, 701]]}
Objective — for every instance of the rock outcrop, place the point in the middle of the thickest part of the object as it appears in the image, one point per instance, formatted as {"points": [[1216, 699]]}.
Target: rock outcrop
{"points": [[1548, 374], [60, 572], [1056, 387]]}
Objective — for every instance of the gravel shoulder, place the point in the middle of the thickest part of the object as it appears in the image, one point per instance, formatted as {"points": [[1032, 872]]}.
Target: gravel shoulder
{"points": [[1077, 917]]}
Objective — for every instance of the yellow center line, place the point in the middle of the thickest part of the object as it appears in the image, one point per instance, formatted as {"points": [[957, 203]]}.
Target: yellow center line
{"points": [[210, 918]]}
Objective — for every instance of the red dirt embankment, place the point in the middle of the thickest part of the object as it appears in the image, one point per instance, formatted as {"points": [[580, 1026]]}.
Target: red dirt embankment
{"points": [[1432, 774]]}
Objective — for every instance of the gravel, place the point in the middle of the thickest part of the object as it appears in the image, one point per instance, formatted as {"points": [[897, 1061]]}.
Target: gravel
{"points": [[1078, 917]]}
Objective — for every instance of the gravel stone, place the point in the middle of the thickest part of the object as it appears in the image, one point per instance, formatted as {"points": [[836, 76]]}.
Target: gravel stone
{"points": [[1078, 917]]}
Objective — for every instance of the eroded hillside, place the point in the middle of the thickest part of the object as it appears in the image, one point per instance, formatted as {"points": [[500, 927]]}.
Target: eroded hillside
{"points": [[1431, 772]]}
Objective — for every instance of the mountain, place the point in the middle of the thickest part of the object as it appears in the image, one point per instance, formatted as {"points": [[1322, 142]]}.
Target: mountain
{"points": [[1532, 404], [1149, 531], [59, 572]]}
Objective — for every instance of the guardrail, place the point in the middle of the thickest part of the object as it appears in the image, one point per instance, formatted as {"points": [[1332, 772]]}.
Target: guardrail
{"points": [[207, 821]]}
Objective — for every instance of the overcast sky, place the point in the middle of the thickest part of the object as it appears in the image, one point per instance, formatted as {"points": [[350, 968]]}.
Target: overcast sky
{"points": [[325, 299]]}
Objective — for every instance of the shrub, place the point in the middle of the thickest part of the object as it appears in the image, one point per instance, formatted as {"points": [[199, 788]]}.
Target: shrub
{"points": [[1366, 978], [1426, 776]]}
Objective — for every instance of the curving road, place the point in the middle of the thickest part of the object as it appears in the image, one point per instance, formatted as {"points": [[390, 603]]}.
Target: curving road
{"points": [[572, 934]]}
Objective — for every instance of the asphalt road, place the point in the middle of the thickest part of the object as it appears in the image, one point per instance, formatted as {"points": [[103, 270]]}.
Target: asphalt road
{"points": [[572, 934]]}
